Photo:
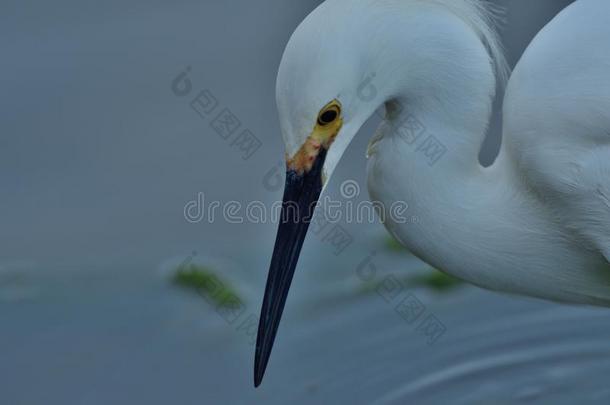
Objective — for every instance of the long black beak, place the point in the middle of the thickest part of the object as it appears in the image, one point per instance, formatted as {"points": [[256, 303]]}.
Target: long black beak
{"points": [[300, 199]]}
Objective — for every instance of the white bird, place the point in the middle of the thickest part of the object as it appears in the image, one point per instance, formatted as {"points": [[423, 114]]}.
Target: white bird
{"points": [[536, 223]]}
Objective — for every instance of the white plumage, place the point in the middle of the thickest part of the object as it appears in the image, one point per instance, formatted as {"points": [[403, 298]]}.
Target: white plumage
{"points": [[537, 222]]}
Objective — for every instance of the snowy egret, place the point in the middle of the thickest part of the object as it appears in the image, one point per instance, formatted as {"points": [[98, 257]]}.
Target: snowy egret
{"points": [[536, 222]]}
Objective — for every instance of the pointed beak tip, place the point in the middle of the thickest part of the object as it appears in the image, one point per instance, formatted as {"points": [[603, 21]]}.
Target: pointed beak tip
{"points": [[257, 381], [259, 371]]}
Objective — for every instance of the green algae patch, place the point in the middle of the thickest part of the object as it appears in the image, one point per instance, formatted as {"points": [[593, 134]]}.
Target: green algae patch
{"points": [[204, 281], [435, 280], [392, 245]]}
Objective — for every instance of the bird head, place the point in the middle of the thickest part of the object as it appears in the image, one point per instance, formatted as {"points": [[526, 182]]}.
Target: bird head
{"points": [[325, 91]]}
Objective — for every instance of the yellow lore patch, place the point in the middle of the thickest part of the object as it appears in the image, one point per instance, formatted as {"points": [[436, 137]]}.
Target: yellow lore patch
{"points": [[325, 131]]}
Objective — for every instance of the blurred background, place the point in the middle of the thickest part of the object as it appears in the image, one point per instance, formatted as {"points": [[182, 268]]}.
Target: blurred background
{"points": [[116, 287]]}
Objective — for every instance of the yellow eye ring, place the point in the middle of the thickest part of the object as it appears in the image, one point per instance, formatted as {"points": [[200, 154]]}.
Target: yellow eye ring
{"points": [[329, 115]]}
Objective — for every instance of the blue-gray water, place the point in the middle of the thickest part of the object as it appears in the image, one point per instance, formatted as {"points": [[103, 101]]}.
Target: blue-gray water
{"points": [[134, 338], [98, 158]]}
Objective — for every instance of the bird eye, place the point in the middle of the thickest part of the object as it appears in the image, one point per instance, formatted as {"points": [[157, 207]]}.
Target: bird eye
{"points": [[328, 116]]}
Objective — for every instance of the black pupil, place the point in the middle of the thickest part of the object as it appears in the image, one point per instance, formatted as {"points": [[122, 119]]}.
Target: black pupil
{"points": [[327, 117]]}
